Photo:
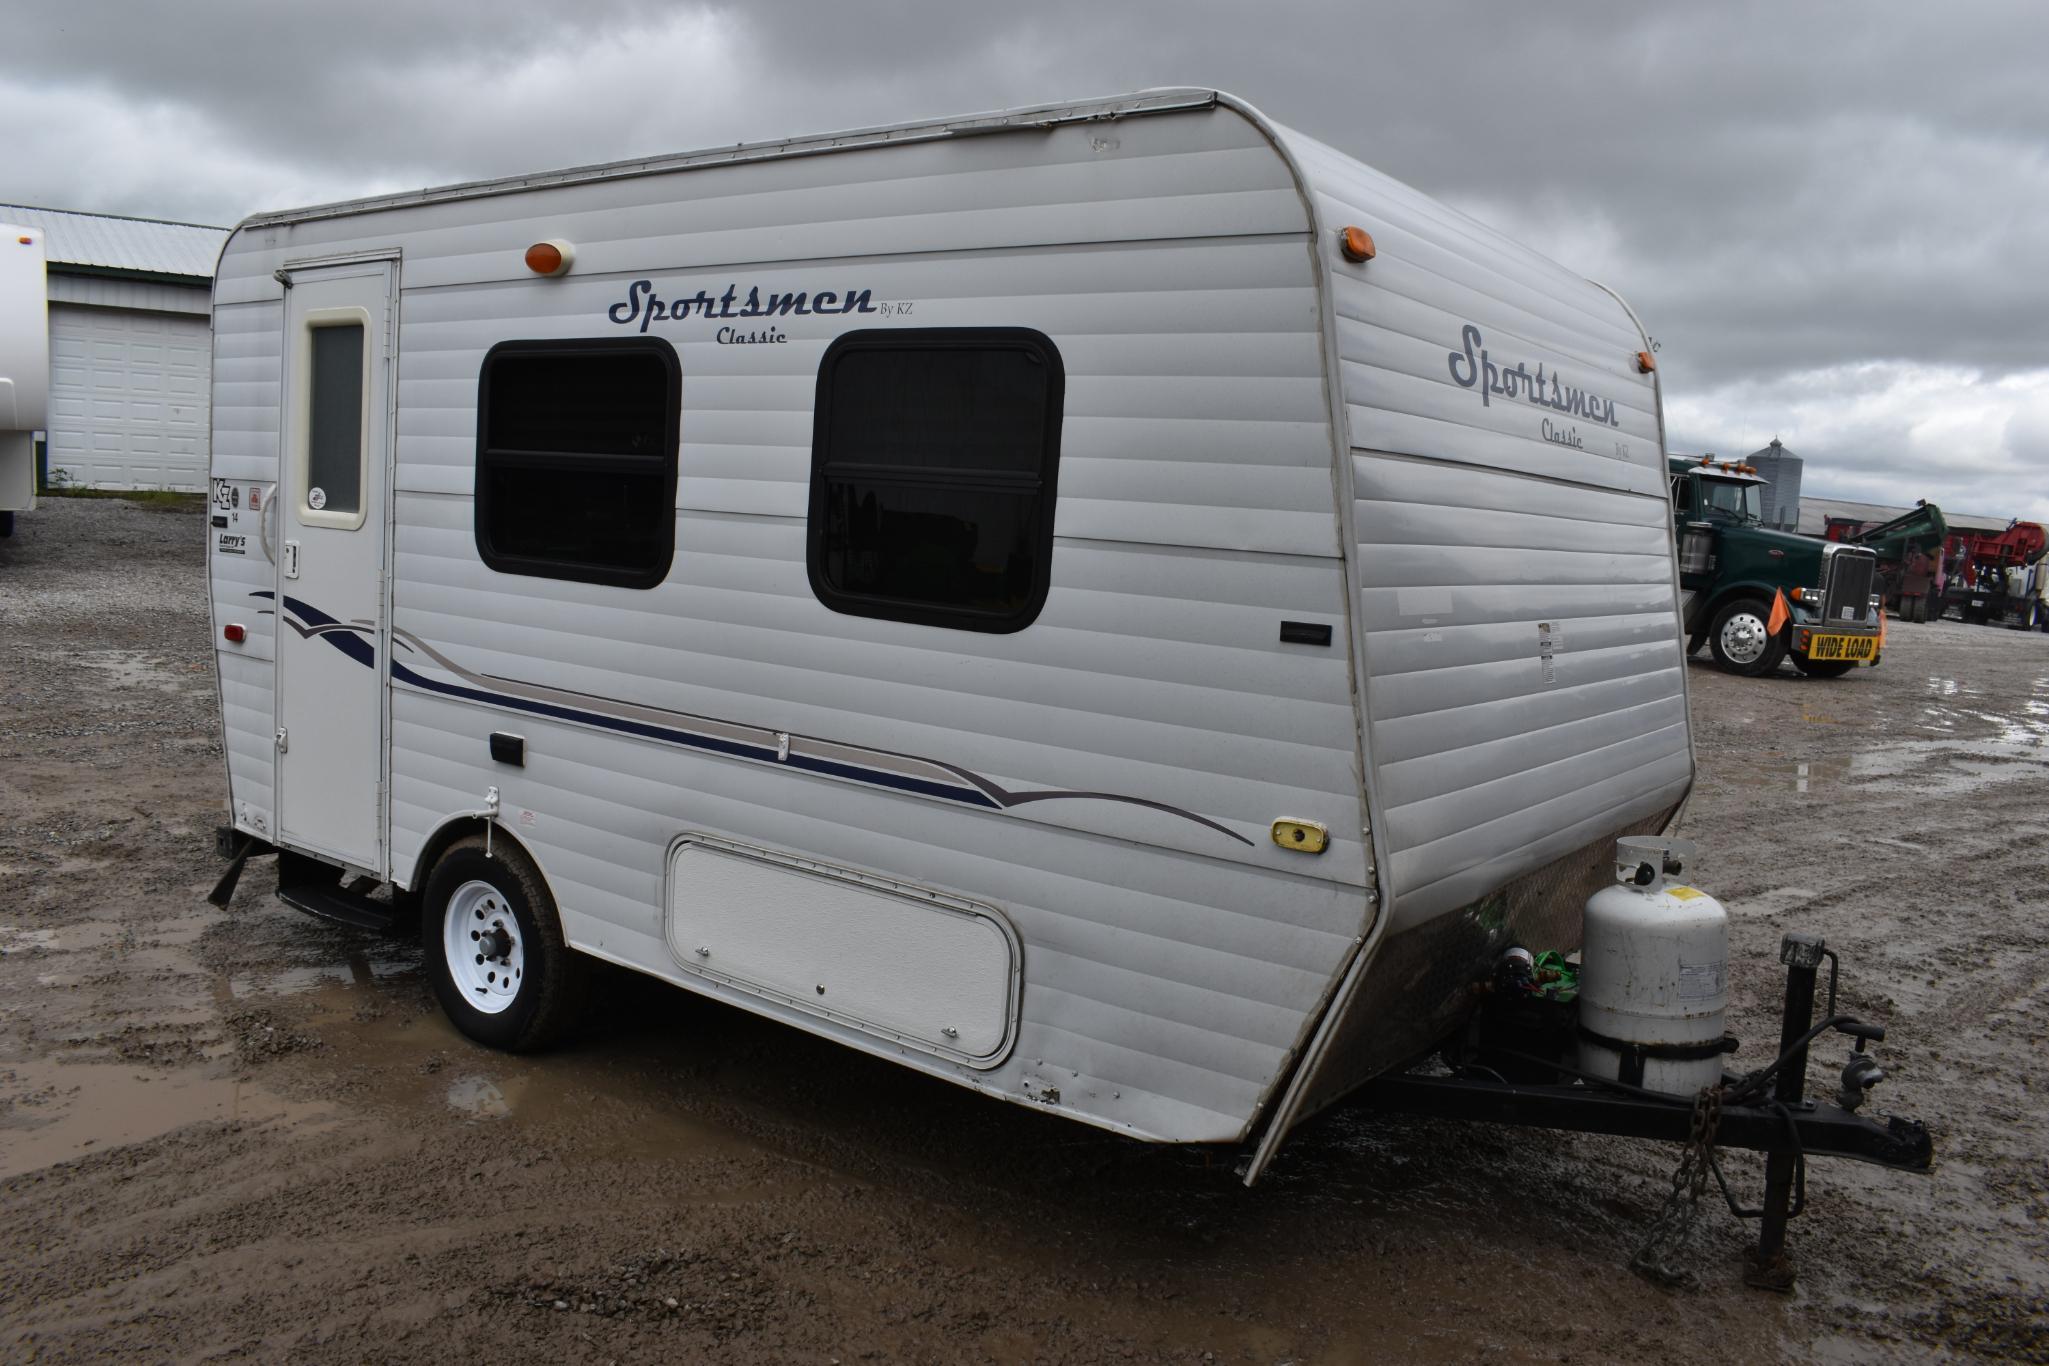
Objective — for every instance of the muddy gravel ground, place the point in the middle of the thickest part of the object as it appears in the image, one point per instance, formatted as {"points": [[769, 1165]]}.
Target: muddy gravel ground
{"points": [[250, 1135]]}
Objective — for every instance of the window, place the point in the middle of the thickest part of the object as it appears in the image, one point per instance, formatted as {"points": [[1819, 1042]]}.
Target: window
{"points": [[334, 426], [1682, 494], [1732, 500], [576, 459], [933, 458]]}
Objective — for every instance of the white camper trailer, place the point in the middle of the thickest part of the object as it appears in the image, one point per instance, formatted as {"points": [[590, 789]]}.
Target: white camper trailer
{"points": [[1115, 604], [24, 366]]}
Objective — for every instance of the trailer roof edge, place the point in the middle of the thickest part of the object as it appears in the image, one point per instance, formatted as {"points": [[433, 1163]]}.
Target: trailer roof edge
{"points": [[1163, 101]]}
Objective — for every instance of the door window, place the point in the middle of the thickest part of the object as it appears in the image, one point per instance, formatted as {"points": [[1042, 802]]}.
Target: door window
{"points": [[331, 415], [334, 428]]}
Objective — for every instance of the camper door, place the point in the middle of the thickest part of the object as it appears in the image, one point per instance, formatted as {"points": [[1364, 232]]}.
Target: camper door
{"points": [[332, 642]]}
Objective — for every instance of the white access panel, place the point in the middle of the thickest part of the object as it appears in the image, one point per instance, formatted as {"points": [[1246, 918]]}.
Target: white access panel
{"points": [[128, 398], [915, 966]]}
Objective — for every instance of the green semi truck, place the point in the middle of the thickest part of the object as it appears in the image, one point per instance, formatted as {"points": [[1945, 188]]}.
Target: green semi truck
{"points": [[1755, 596]]}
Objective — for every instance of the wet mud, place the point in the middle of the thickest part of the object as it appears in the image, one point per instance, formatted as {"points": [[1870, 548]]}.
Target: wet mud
{"points": [[248, 1135]]}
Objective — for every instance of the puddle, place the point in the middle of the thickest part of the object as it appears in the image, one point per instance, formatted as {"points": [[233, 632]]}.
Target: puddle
{"points": [[478, 1097], [625, 1096], [130, 668], [1801, 775], [358, 969], [54, 1112]]}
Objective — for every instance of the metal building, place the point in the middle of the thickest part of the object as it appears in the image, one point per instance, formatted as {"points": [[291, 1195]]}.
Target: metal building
{"points": [[1780, 470], [130, 348]]}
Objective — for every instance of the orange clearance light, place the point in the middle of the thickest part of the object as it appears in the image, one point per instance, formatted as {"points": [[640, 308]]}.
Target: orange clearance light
{"points": [[1645, 362], [1357, 244], [550, 258], [26, 241]]}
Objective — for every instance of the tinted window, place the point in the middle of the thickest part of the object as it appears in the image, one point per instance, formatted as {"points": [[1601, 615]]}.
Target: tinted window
{"points": [[932, 483], [334, 424], [576, 459]]}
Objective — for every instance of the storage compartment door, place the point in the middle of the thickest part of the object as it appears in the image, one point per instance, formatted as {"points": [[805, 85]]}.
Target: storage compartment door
{"points": [[918, 967]]}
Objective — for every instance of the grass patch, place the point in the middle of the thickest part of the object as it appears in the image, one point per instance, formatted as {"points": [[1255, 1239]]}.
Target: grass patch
{"points": [[162, 500]]}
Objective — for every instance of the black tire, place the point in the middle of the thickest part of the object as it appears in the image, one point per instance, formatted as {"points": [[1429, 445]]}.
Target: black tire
{"points": [[1824, 668], [1739, 623], [6, 525], [553, 978]]}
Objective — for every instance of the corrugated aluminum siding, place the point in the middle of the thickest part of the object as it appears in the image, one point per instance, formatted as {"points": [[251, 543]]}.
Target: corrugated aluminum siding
{"points": [[1492, 760], [1169, 969], [248, 386], [148, 245], [146, 296]]}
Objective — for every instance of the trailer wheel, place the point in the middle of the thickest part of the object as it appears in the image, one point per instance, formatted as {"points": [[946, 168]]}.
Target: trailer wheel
{"points": [[1740, 642], [1824, 668], [494, 948]]}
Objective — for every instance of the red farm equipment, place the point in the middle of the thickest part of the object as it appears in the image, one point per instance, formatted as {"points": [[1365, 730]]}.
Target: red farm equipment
{"points": [[1997, 577]]}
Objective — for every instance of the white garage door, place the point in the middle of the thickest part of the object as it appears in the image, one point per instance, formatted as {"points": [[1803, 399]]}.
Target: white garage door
{"points": [[128, 396]]}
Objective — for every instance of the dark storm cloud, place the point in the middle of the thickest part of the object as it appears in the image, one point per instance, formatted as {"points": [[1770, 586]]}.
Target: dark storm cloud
{"points": [[1785, 192]]}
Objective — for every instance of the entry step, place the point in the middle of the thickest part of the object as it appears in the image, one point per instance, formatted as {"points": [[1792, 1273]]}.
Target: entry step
{"points": [[314, 887]]}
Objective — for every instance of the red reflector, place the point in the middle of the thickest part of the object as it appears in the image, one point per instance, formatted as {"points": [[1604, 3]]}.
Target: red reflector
{"points": [[234, 633]]}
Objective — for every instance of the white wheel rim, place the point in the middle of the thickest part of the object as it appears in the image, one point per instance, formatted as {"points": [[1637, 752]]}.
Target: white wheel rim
{"points": [[484, 946], [1744, 638]]}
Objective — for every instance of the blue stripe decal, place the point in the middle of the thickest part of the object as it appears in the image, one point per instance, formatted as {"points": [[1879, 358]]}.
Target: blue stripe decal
{"points": [[761, 753], [358, 643], [339, 634]]}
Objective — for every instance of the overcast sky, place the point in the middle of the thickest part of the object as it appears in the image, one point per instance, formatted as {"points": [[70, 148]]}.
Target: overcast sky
{"points": [[1834, 217]]}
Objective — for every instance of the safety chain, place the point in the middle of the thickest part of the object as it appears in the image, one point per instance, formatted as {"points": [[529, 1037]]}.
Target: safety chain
{"points": [[1672, 1230]]}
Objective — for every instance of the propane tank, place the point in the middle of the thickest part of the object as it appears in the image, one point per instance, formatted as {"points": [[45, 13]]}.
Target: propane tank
{"points": [[1653, 984]]}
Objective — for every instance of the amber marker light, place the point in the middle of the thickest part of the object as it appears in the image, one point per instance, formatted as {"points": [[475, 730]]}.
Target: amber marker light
{"points": [[1357, 244], [1645, 362], [551, 258]]}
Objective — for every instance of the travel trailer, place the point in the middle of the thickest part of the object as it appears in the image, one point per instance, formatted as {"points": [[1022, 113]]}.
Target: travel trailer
{"points": [[24, 367], [1113, 604]]}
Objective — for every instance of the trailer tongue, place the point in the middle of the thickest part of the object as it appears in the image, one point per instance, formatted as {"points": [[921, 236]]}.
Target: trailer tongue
{"points": [[1512, 1068]]}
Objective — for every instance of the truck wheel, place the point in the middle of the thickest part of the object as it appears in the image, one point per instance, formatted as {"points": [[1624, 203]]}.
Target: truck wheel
{"points": [[1740, 642], [1823, 668], [494, 948]]}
